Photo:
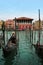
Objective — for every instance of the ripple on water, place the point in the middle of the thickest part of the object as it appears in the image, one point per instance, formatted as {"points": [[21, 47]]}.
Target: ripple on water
{"points": [[25, 55]]}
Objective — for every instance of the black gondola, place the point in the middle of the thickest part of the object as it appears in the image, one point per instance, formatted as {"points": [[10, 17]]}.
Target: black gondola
{"points": [[9, 48], [38, 46], [11, 45], [39, 50]]}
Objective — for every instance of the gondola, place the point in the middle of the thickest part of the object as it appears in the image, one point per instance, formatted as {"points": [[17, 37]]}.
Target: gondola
{"points": [[38, 46], [9, 48], [39, 50]]}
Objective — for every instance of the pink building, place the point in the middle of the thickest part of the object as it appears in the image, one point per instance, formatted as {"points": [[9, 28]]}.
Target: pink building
{"points": [[24, 23]]}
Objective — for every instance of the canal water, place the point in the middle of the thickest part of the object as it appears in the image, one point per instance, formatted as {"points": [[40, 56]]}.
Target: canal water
{"points": [[25, 53]]}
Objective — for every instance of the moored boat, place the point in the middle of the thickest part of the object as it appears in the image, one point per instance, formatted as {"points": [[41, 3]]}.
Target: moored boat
{"points": [[38, 49], [38, 46], [11, 45], [7, 49]]}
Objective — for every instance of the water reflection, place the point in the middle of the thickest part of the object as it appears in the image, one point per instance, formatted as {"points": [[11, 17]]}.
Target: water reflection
{"points": [[9, 58], [41, 61], [25, 55]]}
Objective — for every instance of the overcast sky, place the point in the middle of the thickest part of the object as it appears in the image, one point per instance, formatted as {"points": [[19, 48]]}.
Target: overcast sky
{"points": [[10, 9]]}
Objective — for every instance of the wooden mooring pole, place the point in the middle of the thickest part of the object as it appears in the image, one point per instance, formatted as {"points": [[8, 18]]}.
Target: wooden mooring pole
{"points": [[30, 34], [39, 25], [3, 30], [15, 25]]}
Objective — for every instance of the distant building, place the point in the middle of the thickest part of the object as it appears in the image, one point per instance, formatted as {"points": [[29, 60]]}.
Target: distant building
{"points": [[42, 25], [1, 24], [9, 24], [24, 23], [36, 25]]}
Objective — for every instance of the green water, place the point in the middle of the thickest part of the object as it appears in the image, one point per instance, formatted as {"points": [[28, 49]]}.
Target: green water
{"points": [[25, 53]]}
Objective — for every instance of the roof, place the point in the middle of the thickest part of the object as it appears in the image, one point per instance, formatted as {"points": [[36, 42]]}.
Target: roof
{"points": [[24, 18]]}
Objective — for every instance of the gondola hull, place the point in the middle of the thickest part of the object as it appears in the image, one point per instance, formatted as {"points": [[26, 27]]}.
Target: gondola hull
{"points": [[8, 50], [39, 50]]}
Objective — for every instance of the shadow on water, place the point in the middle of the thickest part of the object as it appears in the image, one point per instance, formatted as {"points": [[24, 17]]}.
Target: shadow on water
{"points": [[10, 57], [39, 53], [42, 61], [41, 57]]}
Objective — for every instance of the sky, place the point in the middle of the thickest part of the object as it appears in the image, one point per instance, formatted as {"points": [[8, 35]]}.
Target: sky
{"points": [[9, 9]]}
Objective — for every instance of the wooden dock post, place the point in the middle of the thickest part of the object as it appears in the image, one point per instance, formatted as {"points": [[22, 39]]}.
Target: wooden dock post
{"points": [[15, 25], [30, 34], [3, 30], [39, 25]]}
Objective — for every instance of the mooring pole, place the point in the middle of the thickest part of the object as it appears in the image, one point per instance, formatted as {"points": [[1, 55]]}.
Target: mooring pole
{"points": [[39, 25], [15, 26], [33, 33], [30, 33], [18, 32], [3, 30], [32, 36]]}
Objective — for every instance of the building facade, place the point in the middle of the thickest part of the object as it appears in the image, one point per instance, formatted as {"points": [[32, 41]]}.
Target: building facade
{"points": [[24, 23], [9, 24], [36, 25], [1, 24]]}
